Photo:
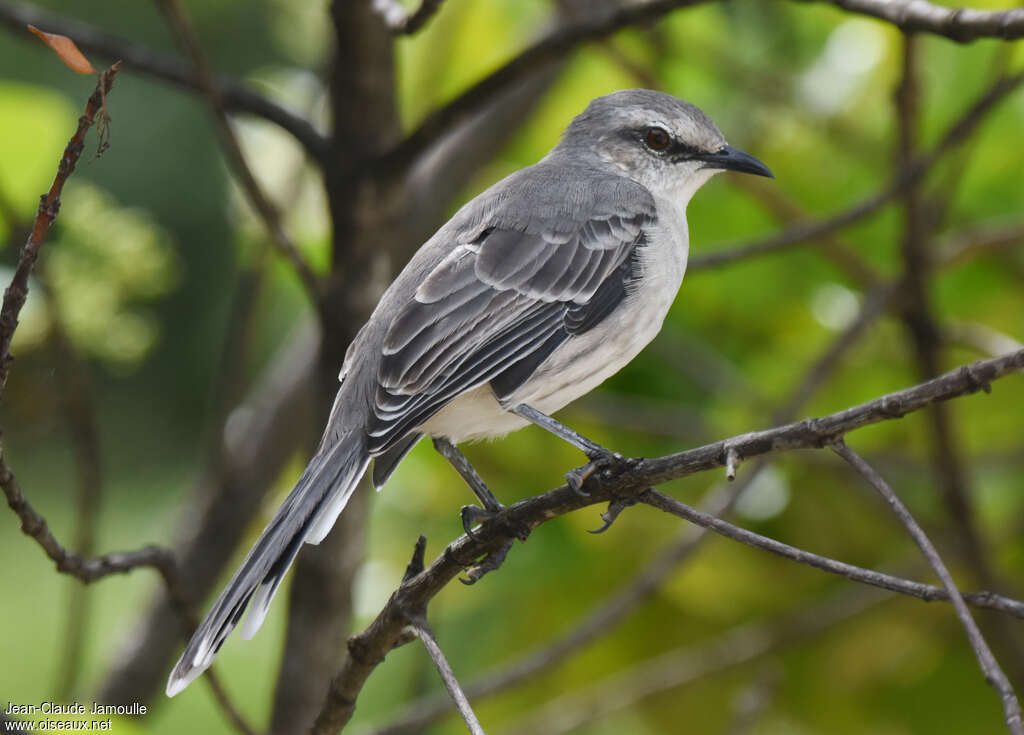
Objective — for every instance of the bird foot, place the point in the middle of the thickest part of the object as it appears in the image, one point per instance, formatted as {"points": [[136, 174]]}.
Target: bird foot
{"points": [[615, 507], [603, 463], [473, 515], [486, 565]]}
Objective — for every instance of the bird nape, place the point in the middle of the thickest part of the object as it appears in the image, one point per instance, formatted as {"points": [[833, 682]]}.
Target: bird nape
{"points": [[531, 295]]}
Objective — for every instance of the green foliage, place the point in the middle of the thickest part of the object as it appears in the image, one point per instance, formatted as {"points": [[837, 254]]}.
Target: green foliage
{"points": [[152, 241]]}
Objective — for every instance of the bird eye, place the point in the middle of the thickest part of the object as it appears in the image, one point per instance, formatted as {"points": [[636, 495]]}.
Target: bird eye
{"points": [[657, 139]]}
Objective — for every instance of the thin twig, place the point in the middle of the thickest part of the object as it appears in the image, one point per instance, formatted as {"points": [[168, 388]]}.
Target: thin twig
{"points": [[143, 60], [907, 177], [922, 325], [426, 636], [989, 666], [978, 240], [367, 649], [180, 22], [94, 568], [571, 712], [555, 46], [786, 211], [959, 24], [423, 713], [49, 205], [920, 590], [84, 568]]}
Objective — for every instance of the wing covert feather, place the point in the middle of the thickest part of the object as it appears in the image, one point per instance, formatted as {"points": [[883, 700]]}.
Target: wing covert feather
{"points": [[519, 282]]}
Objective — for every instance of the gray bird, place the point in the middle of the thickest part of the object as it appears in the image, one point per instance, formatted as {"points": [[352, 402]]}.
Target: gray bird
{"points": [[531, 295]]}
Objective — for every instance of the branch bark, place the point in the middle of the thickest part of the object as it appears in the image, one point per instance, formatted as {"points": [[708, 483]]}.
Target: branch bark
{"points": [[962, 25], [425, 712], [367, 650], [49, 205], [989, 666]]}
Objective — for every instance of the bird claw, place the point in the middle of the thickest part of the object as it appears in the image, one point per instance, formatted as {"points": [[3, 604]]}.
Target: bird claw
{"points": [[604, 463], [473, 515], [488, 564], [615, 507]]}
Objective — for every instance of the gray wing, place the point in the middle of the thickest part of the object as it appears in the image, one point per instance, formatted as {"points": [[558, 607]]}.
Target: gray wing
{"points": [[497, 306]]}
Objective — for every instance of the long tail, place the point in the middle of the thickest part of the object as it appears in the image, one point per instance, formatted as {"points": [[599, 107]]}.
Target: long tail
{"points": [[305, 516]]}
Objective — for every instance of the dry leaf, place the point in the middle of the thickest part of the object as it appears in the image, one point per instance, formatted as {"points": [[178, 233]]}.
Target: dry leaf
{"points": [[66, 49]]}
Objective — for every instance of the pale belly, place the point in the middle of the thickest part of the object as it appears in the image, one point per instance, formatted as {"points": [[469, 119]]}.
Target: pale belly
{"points": [[582, 362]]}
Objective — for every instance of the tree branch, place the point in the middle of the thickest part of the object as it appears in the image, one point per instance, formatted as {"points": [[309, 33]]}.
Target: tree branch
{"points": [[962, 25], [49, 205], [907, 177], [926, 592], [920, 217], [182, 27], [573, 711], [367, 649], [426, 636], [142, 60], [423, 713], [553, 47], [989, 666]]}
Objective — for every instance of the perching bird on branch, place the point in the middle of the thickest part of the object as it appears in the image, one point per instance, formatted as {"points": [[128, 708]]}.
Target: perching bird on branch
{"points": [[534, 293]]}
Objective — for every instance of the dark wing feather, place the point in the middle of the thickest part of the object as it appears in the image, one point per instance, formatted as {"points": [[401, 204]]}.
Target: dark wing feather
{"points": [[500, 303]]}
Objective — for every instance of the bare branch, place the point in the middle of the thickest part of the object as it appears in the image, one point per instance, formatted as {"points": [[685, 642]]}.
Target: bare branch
{"points": [[426, 635], [787, 211], [920, 590], [959, 24], [91, 569], [964, 246], [552, 48], [49, 205], [922, 325], [367, 649], [68, 562], [85, 569], [186, 33], [423, 713], [989, 666], [400, 21], [573, 711], [980, 337], [907, 177], [139, 59]]}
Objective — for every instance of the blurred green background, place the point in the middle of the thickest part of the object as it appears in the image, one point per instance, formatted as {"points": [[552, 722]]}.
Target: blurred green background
{"points": [[145, 258]]}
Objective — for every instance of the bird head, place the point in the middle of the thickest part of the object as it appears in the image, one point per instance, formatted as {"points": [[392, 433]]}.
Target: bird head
{"points": [[658, 140]]}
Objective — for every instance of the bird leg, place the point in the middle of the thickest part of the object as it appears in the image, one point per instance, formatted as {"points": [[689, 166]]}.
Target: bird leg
{"points": [[470, 513], [473, 514], [601, 459]]}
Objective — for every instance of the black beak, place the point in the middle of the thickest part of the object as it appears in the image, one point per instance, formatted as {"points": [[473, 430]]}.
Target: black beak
{"points": [[733, 159]]}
